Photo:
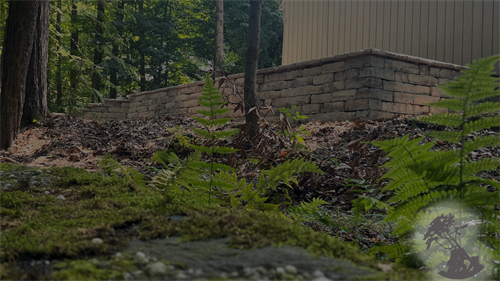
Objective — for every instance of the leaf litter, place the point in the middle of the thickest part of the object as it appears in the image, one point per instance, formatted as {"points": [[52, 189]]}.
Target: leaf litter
{"points": [[351, 166]]}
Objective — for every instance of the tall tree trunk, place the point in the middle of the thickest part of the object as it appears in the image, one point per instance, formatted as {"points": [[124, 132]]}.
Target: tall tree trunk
{"points": [[252, 59], [35, 103], [114, 71], [96, 79], [219, 38], [59, 59], [142, 61], [16, 53], [73, 45]]}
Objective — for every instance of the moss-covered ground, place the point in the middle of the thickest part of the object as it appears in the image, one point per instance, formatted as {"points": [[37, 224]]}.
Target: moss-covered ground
{"points": [[37, 225]]}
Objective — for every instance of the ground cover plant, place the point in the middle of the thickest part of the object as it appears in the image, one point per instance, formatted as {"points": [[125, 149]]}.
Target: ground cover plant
{"points": [[106, 204]]}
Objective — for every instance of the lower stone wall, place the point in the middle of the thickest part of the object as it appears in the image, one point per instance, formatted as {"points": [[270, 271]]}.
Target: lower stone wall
{"points": [[370, 84]]}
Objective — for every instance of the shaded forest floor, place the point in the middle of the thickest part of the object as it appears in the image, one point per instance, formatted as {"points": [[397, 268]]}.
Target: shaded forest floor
{"points": [[351, 166]]}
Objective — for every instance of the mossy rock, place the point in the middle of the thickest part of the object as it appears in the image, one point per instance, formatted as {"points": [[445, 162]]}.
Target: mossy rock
{"points": [[36, 225]]}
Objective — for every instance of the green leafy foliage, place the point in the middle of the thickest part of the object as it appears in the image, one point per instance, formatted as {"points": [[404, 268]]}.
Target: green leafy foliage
{"points": [[422, 178], [110, 166], [212, 182], [289, 132]]}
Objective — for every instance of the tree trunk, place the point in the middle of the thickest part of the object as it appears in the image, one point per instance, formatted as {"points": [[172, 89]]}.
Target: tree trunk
{"points": [[73, 46], [96, 79], [252, 59], [16, 53], [142, 61], [219, 38], [114, 71], [59, 59], [35, 103]]}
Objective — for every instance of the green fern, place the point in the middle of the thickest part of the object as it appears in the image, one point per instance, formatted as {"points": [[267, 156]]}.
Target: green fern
{"points": [[422, 178]]}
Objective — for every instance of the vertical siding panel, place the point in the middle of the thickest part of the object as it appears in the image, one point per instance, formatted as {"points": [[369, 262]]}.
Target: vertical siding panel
{"points": [[440, 30], [400, 44], [354, 24], [387, 25], [467, 34], [488, 14], [331, 27], [347, 34], [458, 32], [415, 47], [326, 40], [477, 32], [366, 24], [336, 37], [394, 26], [373, 24], [496, 31], [294, 20], [287, 40], [408, 26], [292, 33], [303, 32], [449, 31], [359, 30], [313, 22], [380, 25], [341, 27], [431, 45], [310, 43], [424, 28]]}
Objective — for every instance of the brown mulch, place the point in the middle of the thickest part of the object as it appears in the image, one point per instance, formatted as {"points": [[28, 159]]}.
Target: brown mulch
{"points": [[351, 166]]}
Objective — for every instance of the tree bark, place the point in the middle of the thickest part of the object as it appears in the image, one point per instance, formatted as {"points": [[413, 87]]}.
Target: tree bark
{"points": [[252, 59], [16, 54], [142, 60], [96, 79], [35, 103], [114, 71], [59, 59], [219, 38], [73, 44]]}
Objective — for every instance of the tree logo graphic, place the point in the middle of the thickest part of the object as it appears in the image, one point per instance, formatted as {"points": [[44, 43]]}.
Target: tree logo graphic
{"points": [[460, 265]]}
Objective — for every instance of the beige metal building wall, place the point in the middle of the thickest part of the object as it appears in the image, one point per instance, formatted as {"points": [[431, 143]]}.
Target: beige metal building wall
{"points": [[455, 31]]}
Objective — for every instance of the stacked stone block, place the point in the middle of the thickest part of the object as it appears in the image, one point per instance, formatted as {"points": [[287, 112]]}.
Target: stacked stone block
{"points": [[370, 84]]}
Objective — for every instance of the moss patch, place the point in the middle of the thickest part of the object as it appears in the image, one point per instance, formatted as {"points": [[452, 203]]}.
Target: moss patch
{"points": [[37, 225]]}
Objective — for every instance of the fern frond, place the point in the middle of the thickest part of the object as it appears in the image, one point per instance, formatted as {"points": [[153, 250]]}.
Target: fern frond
{"points": [[481, 124], [481, 142], [451, 137], [473, 110], [445, 118], [365, 203], [481, 165], [218, 111], [453, 104], [214, 167]]}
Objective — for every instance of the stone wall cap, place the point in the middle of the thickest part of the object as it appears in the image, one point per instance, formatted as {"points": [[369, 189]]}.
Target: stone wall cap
{"points": [[117, 100]]}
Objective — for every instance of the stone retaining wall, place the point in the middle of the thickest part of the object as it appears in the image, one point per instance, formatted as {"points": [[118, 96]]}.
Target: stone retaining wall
{"points": [[370, 84]]}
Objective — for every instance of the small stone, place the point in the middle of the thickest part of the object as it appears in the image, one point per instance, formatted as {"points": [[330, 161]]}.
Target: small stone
{"points": [[199, 272], [7, 186], [181, 275], [128, 276], [156, 268], [140, 258], [290, 269], [307, 276], [260, 270], [322, 278], [12, 176], [248, 272], [234, 274], [46, 192], [271, 273], [47, 262], [38, 172], [60, 197], [118, 255], [224, 275], [97, 241], [154, 259], [170, 267], [280, 270], [137, 273], [318, 273]]}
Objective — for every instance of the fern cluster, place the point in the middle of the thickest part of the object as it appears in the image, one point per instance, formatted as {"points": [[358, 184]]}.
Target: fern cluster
{"points": [[218, 183], [422, 178]]}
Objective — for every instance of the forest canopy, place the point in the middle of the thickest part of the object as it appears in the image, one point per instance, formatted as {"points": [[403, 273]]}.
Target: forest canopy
{"points": [[107, 49]]}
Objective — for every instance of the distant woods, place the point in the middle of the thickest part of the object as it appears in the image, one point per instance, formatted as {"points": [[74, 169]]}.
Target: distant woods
{"points": [[107, 49]]}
